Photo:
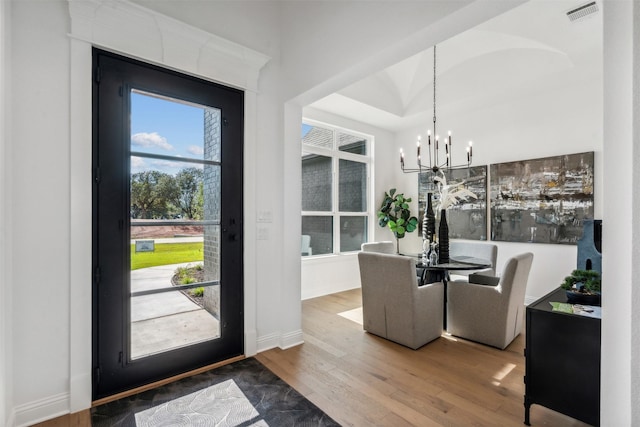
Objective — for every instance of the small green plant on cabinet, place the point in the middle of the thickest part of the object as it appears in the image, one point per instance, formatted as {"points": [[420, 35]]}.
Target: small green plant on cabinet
{"points": [[395, 214], [583, 281]]}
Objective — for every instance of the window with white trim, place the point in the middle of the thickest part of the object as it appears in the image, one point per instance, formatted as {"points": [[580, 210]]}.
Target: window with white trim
{"points": [[335, 189]]}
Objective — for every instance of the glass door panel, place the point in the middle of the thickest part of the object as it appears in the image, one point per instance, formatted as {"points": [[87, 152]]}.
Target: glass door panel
{"points": [[175, 224]]}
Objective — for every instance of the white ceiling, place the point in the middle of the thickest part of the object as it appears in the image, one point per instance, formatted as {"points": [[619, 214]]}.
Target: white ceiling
{"points": [[532, 48]]}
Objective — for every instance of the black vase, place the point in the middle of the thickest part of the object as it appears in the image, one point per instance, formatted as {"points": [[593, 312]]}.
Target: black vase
{"points": [[443, 238], [430, 220]]}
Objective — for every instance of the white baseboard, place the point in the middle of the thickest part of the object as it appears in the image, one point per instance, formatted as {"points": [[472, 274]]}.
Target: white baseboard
{"points": [[267, 342], [291, 339], [41, 410], [333, 287], [283, 341]]}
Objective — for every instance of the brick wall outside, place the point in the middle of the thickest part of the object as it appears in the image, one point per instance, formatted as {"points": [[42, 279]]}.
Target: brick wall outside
{"points": [[353, 186], [212, 151]]}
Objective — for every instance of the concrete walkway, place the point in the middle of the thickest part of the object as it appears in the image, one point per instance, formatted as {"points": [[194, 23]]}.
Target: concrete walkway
{"points": [[160, 322]]}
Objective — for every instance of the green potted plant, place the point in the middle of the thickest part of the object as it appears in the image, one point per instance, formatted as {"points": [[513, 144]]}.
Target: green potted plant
{"points": [[583, 287], [395, 214]]}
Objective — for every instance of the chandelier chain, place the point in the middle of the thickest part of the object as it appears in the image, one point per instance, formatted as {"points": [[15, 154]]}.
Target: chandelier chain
{"points": [[434, 91]]}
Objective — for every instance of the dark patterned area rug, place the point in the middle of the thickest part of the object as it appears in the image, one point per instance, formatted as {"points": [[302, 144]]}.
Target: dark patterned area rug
{"points": [[242, 394]]}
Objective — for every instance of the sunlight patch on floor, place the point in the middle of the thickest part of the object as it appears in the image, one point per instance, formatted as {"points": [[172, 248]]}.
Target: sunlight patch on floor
{"points": [[354, 315], [448, 336], [220, 404], [502, 373]]}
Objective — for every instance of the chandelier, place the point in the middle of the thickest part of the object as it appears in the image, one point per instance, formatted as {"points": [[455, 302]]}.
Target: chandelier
{"points": [[435, 252], [433, 147]]}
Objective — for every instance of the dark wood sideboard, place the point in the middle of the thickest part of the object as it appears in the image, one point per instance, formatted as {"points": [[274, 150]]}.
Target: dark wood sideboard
{"points": [[562, 361]]}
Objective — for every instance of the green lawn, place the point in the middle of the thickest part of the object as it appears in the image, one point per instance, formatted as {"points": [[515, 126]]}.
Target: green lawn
{"points": [[167, 253]]}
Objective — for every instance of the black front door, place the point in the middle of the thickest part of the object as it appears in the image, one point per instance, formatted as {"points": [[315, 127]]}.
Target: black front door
{"points": [[167, 223]]}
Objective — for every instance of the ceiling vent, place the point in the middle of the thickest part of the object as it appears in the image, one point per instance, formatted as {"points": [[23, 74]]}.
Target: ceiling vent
{"points": [[582, 11]]}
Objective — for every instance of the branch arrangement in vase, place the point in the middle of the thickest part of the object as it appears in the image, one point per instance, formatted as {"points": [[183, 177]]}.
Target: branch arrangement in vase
{"points": [[451, 194]]}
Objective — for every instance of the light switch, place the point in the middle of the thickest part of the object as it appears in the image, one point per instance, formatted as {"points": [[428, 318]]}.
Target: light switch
{"points": [[265, 216], [263, 233]]}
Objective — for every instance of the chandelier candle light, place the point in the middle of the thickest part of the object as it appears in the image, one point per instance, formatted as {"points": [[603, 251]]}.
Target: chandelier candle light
{"points": [[433, 164], [454, 194]]}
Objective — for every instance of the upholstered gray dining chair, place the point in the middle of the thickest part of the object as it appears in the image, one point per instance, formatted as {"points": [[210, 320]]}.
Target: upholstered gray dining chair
{"points": [[393, 305], [461, 250], [388, 247], [385, 247], [491, 314]]}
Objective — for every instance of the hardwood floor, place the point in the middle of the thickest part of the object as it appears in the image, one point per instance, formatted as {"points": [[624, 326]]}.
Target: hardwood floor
{"points": [[79, 419], [363, 380]]}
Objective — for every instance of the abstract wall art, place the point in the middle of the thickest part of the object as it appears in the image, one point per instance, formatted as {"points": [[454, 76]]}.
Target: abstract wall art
{"points": [[542, 200], [467, 219]]}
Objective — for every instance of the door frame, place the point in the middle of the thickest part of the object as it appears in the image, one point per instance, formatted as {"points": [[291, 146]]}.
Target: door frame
{"points": [[170, 44], [115, 79]]}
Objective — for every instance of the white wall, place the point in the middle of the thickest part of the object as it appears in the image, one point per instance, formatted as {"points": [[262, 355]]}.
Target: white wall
{"points": [[40, 202], [635, 237], [620, 376], [6, 383]]}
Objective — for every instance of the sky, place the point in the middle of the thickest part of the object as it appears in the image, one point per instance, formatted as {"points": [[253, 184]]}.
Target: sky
{"points": [[164, 127], [305, 129]]}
